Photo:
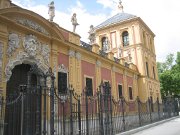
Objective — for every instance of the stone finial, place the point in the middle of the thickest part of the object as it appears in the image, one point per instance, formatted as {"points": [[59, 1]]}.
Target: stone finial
{"points": [[51, 11], [120, 6], [74, 22], [91, 35]]}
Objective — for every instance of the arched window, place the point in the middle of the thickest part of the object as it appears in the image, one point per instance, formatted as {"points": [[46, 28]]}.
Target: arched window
{"points": [[125, 38], [104, 42]]}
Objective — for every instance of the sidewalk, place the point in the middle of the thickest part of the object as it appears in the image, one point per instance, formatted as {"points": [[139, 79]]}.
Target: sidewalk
{"points": [[164, 127]]}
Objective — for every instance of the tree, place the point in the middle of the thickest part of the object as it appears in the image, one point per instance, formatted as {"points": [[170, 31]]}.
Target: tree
{"points": [[169, 75]]}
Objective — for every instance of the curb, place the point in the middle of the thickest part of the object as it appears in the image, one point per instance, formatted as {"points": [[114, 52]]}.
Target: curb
{"points": [[130, 132]]}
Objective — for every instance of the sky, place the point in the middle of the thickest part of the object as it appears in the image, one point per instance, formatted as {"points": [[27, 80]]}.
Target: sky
{"points": [[162, 17]]}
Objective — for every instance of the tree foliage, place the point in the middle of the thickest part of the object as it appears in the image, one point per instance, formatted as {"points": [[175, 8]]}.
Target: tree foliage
{"points": [[169, 75]]}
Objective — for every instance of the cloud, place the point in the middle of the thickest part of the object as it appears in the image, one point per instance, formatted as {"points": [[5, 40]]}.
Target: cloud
{"points": [[106, 3], [84, 18], [161, 16]]}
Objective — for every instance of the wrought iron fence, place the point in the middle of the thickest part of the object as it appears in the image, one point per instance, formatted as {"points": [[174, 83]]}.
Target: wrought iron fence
{"points": [[41, 110]]}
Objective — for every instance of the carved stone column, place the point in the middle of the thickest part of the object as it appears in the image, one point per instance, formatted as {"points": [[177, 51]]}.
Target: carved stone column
{"points": [[135, 85], [71, 67], [78, 72], [53, 59], [113, 85], [125, 89], [98, 73], [1, 67]]}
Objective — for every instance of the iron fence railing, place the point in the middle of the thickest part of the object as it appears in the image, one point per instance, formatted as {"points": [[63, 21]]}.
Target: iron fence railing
{"points": [[45, 112]]}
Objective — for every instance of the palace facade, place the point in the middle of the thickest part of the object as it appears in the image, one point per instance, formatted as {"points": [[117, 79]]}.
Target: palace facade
{"points": [[122, 52]]}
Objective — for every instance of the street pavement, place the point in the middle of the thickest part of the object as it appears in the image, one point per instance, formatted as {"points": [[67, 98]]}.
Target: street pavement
{"points": [[168, 128]]}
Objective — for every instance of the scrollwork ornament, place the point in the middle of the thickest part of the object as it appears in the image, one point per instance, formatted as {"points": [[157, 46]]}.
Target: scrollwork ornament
{"points": [[62, 68], [23, 57], [71, 53], [13, 43], [78, 56], [98, 63], [46, 53]]}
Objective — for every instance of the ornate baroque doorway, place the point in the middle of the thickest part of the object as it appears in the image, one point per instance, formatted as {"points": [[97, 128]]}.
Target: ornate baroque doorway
{"points": [[23, 108]]}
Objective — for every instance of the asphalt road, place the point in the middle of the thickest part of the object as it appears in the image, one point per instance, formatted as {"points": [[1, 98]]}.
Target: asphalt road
{"points": [[168, 128]]}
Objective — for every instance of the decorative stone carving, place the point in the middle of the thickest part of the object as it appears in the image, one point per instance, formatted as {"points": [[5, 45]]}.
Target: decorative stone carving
{"points": [[120, 52], [1, 60], [46, 53], [32, 25], [30, 45], [92, 35], [13, 43], [78, 56], [51, 11], [55, 66], [71, 53], [74, 22], [62, 68], [23, 57], [135, 77], [98, 63]]}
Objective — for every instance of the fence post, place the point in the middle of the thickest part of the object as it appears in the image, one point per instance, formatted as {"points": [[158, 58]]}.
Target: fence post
{"points": [[27, 108], [79, 114], [87, 126], [22, 90], [2, 102], [111, 110], [71, 111], [149, 104], [122, 105], [158, 108], [52, 105], [100, 99], [44, 108], [139, 110]]}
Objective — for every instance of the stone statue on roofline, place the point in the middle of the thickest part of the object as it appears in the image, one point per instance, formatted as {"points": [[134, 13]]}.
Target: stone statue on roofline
{"points": [[51, 11], [74, 22], [92, 35]]}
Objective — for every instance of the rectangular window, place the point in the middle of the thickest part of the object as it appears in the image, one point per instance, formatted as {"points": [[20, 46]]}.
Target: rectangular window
{"points": [[89, 86], [120, 90], [154, 73], [130, 93], [147, 69], [62, 82]]}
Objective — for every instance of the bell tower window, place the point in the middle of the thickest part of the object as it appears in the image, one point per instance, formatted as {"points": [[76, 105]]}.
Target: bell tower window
{"points": [[125, 38], [105, 44]]}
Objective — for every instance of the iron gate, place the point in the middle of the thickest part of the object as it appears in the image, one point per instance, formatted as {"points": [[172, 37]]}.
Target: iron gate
{"points": [[37, 108]]}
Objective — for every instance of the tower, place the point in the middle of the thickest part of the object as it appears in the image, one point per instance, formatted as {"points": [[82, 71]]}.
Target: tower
{"points": [[129, 38]]}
